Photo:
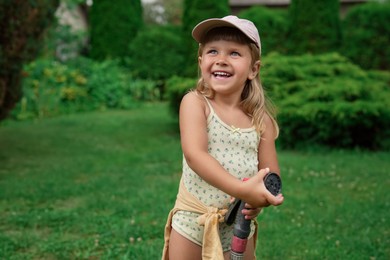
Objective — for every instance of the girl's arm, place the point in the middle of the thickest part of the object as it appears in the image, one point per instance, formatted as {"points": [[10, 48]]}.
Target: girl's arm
{"points": [[194, 141], [267, 151], [267, 159]]}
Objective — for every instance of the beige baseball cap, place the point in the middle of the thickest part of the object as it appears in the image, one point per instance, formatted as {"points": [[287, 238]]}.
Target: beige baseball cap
{"points": [[245, 26]]}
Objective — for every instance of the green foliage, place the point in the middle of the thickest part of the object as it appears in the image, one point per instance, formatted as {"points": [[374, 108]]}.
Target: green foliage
{"points": [[111, 86], [177, 87], [23, 24], [196, 11], [107, 83], [113, 26], [322, 100], [329, 101], [144, 90], [366, 30], [272, 26], [156, 53], [52, 88], [314, 26]]}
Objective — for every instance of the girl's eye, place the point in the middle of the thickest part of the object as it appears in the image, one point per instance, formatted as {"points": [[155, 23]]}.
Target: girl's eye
{"points": [[212, 52], [235, 54]]}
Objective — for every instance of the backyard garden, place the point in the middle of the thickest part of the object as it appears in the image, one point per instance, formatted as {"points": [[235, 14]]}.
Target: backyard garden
{"points": [[90, 154]]}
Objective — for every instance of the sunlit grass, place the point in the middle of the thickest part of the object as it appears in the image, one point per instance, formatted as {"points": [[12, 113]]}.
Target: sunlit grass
{"points": [[100, 185]]}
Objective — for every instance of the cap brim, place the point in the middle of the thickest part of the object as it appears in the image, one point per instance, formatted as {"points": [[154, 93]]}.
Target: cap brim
{"points": [[202, 28]]}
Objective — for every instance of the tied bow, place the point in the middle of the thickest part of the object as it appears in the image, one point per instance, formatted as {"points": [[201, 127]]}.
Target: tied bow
{"points": [[218, 215], [235, 129], [212, 247]]}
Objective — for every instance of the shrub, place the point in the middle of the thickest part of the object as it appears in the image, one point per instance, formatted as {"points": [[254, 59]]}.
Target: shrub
{"points": [[52, 88], [327, 100], [107, 83], [322, 100], [366, 30], [47, 84], [272, 26], [144, 90], [111, 86]]}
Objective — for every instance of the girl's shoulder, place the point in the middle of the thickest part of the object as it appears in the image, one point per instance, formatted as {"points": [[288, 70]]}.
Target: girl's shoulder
{"points": [[195, 96], [192, 95], [195, 100]]}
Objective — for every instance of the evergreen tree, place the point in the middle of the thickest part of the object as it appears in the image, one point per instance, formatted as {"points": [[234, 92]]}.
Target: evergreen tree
{"points": [[23, 24], [272, 25], [196, 11], [315, 26], [112, 26], [366, 31]]}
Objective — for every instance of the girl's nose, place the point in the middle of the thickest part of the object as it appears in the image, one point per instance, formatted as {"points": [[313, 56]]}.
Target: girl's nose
{"points": [[221, 61]]}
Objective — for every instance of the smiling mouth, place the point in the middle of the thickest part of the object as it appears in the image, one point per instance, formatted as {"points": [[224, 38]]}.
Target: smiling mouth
{"points": [[220, 74]]}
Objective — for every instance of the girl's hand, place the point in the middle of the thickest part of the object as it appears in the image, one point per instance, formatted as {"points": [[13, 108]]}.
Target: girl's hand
{"points": [[250, 212], [256, 194]]}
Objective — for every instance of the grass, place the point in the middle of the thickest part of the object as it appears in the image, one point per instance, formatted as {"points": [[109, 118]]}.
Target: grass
{"points": [[100, 185]]}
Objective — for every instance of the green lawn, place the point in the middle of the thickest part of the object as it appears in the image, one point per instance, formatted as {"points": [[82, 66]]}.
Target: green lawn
{"points": [[100, 185]]}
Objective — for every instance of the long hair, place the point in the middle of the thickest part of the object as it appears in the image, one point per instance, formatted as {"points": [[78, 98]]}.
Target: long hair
{"points": [[253, 97]]}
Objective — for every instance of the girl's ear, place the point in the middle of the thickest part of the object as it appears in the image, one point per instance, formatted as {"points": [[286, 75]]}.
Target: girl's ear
{"points": [[199, 60], [254, 70]]}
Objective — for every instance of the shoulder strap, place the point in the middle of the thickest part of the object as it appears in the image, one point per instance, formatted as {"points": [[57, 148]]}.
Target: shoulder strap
{"points": [[209, 104]]}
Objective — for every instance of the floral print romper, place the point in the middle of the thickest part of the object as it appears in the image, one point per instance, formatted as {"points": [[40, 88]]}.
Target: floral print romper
{"points": [[237, 151]]}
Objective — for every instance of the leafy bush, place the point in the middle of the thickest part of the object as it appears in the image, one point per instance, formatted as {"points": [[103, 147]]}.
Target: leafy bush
{"points": [[144, 90], [48, 84], [52, 88], [272, 26], [322, 100], [108, 85], [327, 100], [366, 30]]}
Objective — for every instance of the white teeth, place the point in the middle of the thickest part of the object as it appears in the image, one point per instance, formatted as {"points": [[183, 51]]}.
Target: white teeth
{"points": [[222, 74]]}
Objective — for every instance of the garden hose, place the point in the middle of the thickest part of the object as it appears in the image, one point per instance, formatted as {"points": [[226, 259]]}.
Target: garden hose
{"points": [[242, 227]]}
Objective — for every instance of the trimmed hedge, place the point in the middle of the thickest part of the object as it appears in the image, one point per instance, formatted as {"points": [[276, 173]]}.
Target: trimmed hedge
{"points": [[327, 100], [322, 100]]}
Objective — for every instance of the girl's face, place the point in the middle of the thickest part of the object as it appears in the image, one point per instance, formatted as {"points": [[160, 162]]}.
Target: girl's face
{"points": [[226, 66]]}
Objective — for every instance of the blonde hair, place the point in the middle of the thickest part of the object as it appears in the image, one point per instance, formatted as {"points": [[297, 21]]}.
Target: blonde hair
{"points": [[253, 97]]}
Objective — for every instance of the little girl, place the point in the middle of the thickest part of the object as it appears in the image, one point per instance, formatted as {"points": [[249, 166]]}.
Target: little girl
{"points": [[227, 133]]}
